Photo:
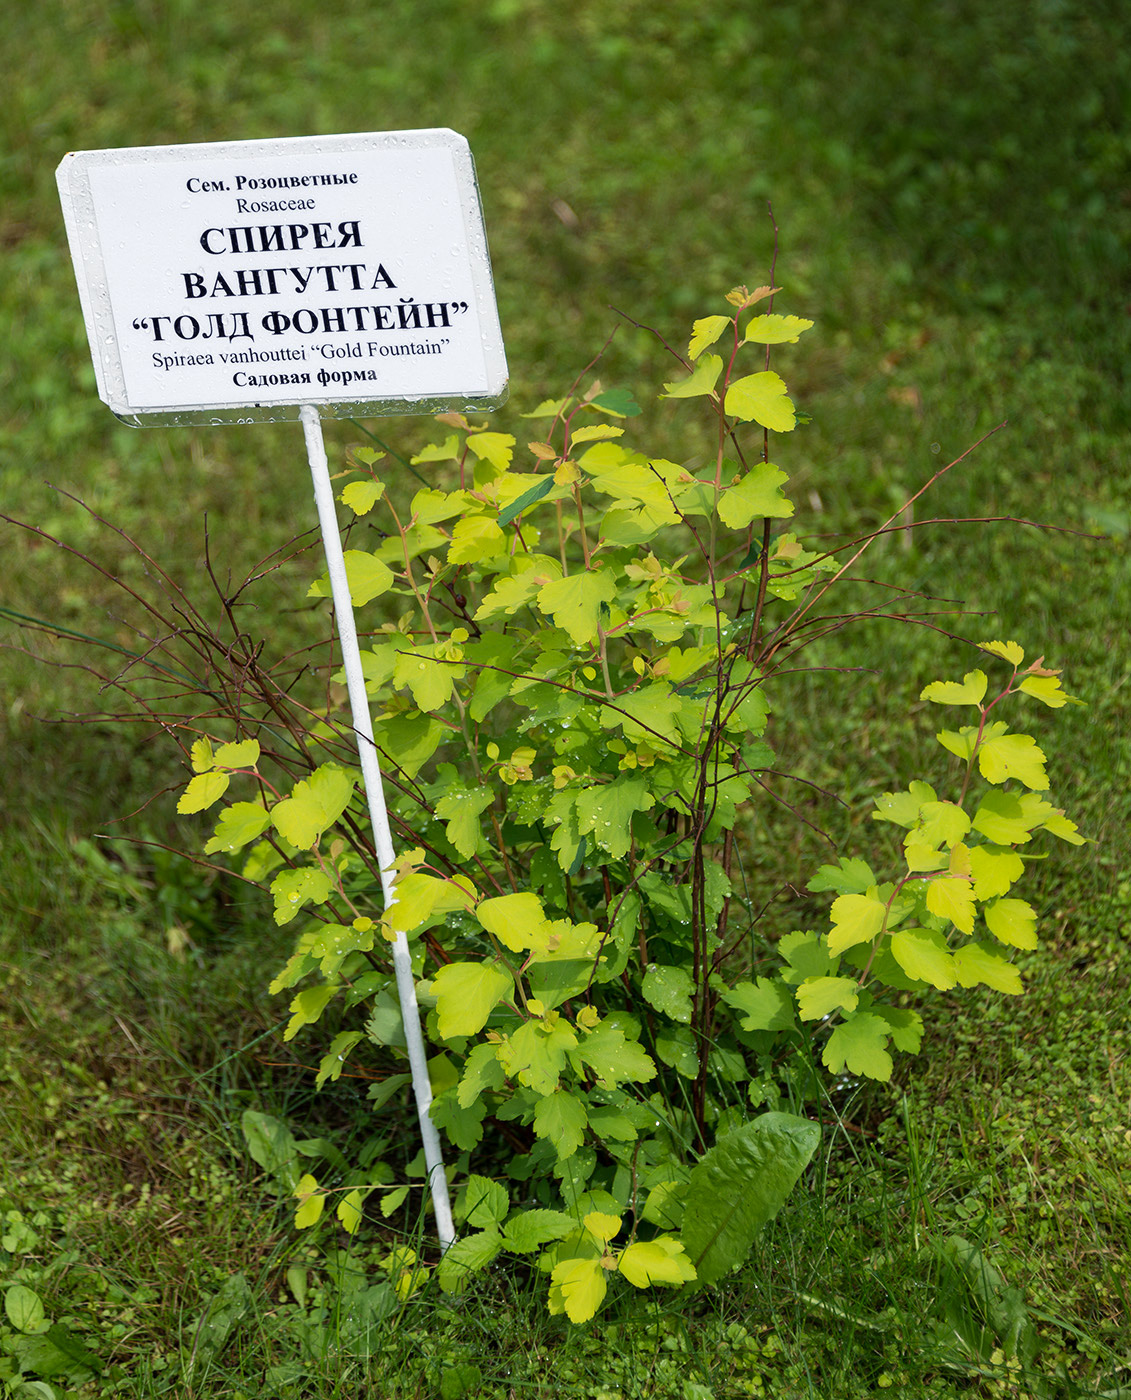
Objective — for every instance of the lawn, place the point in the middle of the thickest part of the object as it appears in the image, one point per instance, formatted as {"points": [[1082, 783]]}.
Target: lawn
{"points": [[946, 195]]}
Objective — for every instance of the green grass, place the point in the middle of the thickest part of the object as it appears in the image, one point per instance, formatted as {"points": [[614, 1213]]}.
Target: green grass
{"points": [[951, 196]]}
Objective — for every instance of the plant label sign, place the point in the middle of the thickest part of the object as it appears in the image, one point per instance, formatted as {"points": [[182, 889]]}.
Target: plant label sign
{"points": [[237, 281]]}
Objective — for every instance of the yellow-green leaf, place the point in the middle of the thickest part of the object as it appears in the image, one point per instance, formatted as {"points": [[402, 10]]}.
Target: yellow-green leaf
{"points": [[1006, 756], [516, 920], [1048, 690], [311, 1202], [662, 1260], [705, 332], [201, 753], [976, 963], [856, 918], [495, 448], [460, 811], [334, 1060], [595, 432], [1012, 921], [701, 381], [202, 792], [577, 1288], [1008, 819], [762, 398], [921, 858], [994, 870], [1008, 651], [772, 329], [574, 602], [952, 899], [291, 889], [466, 994], [242, 754], [429, 505], [447, 451], [561, 1117], [368, 578], [940, 824], [349, 1211], [362, 496], [602, 1226], [645, 714], [475, 539], [430, 681], [636, 483], [1060, 826], [240, 823], [971, 690], [820, 996], [314, 804], [923, 954], [757, 496], [512, 591], [903, 808], [307, 1007], [961, 742], [548, 408], [859, 1045]]}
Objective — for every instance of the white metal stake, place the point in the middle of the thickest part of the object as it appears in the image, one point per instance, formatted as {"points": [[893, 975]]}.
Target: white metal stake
{"points": [[375, 794]]}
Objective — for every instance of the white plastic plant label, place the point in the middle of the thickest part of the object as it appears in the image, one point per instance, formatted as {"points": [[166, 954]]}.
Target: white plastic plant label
{"points": [[236, 281]]}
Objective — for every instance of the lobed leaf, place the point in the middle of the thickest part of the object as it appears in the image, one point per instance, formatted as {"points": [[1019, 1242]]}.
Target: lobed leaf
{"points": [[705, 332], [662, 1260], [923, 954], [291, 889], [856, 918], [575, 602], [578, 1288], [1005, 756], [859, 1045], [669, 990], [367, 575], [561, 1119], [818, 997], [518, 921], [952, 899], [762, 398], [772, 329], [971, 690], [362, 496], [757, 496], [701, 381], [496, 448], [1048, 690], [978, 964], [307, 1007], [1012, 921], [202, 792], [466, 994], [1008, 651], [239, 824], [242, 753], [765, 1005], [314, 804]]}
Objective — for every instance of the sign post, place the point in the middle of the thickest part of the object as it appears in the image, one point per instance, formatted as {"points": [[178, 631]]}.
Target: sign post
{"points": [[254, 281]]}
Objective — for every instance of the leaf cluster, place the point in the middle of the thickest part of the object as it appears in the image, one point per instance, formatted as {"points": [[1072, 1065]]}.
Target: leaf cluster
{"points": [[571, 652]]}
